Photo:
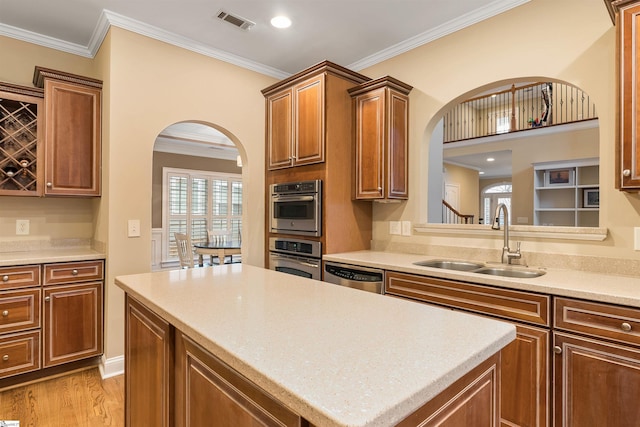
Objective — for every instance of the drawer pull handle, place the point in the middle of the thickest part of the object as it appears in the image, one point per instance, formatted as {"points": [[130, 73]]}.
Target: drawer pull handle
{"points": [[626, 327], [47, 299], [5, 278], [5, 313], [557, 349], [74, 272], [5, 357]]}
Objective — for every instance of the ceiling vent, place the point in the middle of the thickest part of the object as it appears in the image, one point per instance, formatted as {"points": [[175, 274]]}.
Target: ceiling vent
{"points": [[238, 21]]}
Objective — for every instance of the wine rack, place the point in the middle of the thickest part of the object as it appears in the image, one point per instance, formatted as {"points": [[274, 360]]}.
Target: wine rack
{"points": [[19, 141]]}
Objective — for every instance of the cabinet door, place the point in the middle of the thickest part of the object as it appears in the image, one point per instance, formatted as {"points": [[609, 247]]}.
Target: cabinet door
{"points": [[72, 149], [72, 323], [279, 130], [148, 367], [210, 393], [595, 383], [369, 144], [628, 153], [398, 146], [309, 121], [524, 387]]}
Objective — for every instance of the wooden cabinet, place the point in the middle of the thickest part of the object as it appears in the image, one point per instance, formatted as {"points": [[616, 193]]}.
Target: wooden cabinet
{"points": [[524, 383], [295, 124], [628, 144], [148, 367], [381, 139], [209, 392], [597, 375], [73, 133], [73, 312], [21, 134], [19, 320]]}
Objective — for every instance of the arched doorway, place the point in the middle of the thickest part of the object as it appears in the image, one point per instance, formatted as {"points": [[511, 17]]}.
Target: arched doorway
{"points": [[197, 187]]}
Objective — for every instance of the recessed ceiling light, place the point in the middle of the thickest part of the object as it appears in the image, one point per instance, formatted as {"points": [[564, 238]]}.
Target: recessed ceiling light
{"points": [[481, 173], [490, 159], [281, 22]]}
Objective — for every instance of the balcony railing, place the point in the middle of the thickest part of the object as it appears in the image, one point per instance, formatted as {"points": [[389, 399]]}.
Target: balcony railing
{"points": [[518, 108]]}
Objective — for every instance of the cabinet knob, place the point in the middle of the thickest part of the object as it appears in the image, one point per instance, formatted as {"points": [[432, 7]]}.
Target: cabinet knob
{"points": [[626, 172], [74, 272], [49, 185], [557, 349], [5, 278], [5, 313], [626, 327], [5, 357], [47, 299]]}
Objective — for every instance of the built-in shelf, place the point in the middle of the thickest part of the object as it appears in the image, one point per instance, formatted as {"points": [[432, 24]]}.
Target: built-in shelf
{"points": [[567, 193]]}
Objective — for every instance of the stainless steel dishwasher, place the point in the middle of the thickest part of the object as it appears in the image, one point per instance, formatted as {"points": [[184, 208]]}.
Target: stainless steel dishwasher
{"points": [[363, 278]]}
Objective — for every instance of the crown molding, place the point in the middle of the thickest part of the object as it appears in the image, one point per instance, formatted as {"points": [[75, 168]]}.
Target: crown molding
{"points": [[495, 8], [46, 41]]}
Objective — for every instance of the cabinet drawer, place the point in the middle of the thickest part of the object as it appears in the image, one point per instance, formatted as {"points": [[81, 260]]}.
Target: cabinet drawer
{"points": [[19, 353], [505, 303], [72, 272], [598, 319], [19, 310], [19, 277]]}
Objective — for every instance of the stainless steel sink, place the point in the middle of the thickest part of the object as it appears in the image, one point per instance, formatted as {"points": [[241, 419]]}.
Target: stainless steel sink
{"points": [[511, 272], [450, 265]]}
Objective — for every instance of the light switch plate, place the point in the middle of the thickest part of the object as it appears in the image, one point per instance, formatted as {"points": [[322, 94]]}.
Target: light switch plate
{"points": [[406, 228], [636, 238], [22, 227], [133, 229], [394, 227]]}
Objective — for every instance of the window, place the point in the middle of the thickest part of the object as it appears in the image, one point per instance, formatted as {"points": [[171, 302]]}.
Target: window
{"points": [[197, 201], [491, 197]]}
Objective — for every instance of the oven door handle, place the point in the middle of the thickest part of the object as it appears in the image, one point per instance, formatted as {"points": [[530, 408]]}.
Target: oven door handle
{"points": [[277, 198], [302, 261]]}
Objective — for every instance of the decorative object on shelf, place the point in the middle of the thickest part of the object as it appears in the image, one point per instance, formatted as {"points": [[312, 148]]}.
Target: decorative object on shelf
{"points": [[558, 177], [591, 198]]}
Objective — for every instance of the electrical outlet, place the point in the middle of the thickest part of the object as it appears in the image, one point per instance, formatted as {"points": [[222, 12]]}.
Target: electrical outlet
{"points": [[133, 229], [394, 227], [22, 227], [406, 228]]}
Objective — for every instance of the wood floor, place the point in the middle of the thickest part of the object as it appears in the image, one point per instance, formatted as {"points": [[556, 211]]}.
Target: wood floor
{"points": [[81, 399]]}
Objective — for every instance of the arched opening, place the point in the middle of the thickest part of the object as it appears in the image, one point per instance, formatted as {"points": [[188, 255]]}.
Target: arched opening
{"points": [[530, 125], [197, 189]]}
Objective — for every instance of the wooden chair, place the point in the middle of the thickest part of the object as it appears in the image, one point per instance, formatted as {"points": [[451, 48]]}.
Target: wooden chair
{"points": [[185, 250], [218, 236]]}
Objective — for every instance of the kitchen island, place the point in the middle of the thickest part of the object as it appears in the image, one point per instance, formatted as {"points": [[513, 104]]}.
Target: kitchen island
{"points": [[332, 355]]}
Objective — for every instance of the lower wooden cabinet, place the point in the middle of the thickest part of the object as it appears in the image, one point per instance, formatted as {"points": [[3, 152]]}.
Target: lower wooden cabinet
{"points": [[72, 322], [595, 383], [525, 379], [19, 353], [148, 367]]}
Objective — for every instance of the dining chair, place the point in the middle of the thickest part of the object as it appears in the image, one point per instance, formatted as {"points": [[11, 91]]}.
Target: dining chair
{"points": [[185, 250], [218, 237]]}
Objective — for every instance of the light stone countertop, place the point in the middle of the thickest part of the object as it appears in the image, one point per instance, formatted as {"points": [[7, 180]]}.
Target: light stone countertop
{"points": [[8, 259], [610, 288], [336, 356]]}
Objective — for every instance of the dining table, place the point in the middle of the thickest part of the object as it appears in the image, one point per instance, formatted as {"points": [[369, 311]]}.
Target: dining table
{"points": [[217, 248]]}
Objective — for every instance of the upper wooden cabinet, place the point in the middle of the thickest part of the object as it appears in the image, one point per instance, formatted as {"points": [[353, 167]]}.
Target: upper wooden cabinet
{"points": [[296, 114], [21, 112], [72, 134], [381, 139], [628, 148]]}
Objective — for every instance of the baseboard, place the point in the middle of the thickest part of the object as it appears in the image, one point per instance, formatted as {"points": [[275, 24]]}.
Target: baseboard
{"points": [[111, 367]]}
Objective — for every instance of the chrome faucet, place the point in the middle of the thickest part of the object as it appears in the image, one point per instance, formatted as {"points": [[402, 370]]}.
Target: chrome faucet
{"points": [[507, 254]]}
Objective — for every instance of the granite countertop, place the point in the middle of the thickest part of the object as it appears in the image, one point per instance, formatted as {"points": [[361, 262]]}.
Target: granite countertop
{"points": [[41, 256], [615, 289], [335, 355]]}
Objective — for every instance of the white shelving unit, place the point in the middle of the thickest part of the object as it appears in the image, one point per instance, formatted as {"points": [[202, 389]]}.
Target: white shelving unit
{"points": [[559, 196]]}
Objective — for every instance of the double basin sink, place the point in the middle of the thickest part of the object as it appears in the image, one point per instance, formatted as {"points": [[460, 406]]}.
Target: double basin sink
{"points": [[474, 267]]}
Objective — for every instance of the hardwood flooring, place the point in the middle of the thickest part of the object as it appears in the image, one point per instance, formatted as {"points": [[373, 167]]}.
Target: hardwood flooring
{"points": [[80, 399]]}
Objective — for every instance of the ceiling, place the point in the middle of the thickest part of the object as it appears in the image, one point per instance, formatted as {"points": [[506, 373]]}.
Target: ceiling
{"points": [[352, 33]]}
